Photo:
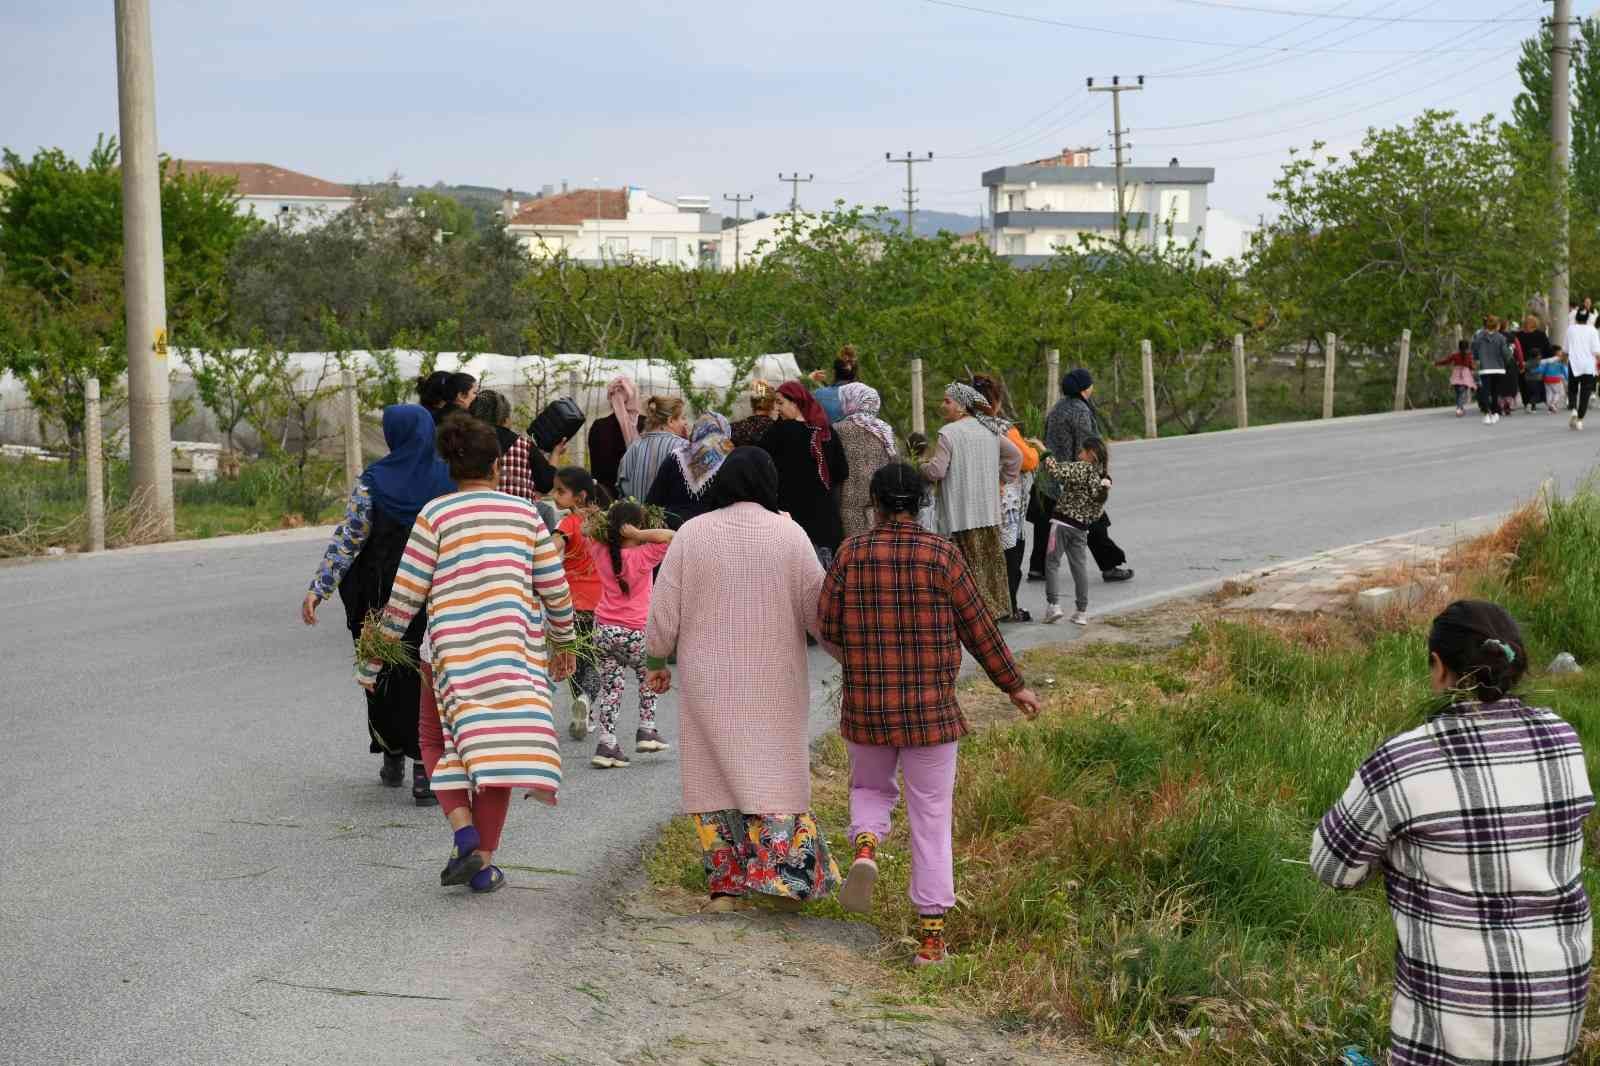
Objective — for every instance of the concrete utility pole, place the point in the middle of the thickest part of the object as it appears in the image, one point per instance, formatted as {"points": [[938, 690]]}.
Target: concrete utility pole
{"points": [[795, 181], [738, 219], [911, 189], [144, 284], [1116, 89], [1561, 137]]}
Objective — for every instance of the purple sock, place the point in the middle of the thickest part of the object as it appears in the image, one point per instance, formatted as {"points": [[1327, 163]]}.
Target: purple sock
{"points": [[467, 840]]}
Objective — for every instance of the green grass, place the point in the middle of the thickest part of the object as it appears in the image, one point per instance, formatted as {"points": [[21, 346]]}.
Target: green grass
{"points": [[1131, 865]]}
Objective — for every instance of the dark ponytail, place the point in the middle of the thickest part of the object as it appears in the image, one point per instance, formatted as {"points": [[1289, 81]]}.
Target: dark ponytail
{"points": [[899, 488], [1482, 646], [622, 513], [582, 484], [440, 388]]}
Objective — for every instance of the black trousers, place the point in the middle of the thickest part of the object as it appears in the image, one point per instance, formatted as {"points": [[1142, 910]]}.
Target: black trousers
{"points": [[1585, 386], [1107, 556], [1492, 388], [1014, 556], [1039, 508]]}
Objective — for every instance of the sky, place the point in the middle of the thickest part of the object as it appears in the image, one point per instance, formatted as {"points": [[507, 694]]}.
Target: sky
{"points": [[716, 98]]}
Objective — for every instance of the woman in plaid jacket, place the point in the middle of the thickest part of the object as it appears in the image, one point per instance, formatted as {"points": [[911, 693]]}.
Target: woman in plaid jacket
{"points": [[1477, 818]]}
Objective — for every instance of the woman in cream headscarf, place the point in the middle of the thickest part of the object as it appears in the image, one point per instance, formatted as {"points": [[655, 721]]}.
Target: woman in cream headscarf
{"points": [[609, 437], [868, 443]]}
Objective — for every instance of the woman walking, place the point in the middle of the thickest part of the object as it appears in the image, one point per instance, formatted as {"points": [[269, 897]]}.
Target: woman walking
{"points": [[1496, 384], [811, 467], [970, 464], [749, 431], [483, 566], [681, 486], [1014, 495], [1084, 486], [868, 443], [611, 436], [525, 471], [664, 431], [361, 561], [1072, 421], [444, 393], [737, 597], [1476, 819]]}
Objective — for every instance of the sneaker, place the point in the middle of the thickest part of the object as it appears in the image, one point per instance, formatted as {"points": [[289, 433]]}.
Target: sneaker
{"points": [[1080, 618], [421, 792], [393, 770], [579, 726], [1053, 614], [608, 757], [856, 895], [649, 740], [931, 936], [1495, 420], [1578, 425], [1460, 411], [1488, 420], [1572, 423], [1117, 573]]}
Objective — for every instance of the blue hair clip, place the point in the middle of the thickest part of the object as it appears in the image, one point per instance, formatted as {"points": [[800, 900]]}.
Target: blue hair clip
{"points": [[1503, 648]]}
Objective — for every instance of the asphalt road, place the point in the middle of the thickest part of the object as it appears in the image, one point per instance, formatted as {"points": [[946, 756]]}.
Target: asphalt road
{"points": [[198, 855]]}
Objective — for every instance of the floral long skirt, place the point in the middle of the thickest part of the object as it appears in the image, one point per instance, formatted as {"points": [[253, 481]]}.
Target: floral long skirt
{"points": [[783, 855], [986, 561]]}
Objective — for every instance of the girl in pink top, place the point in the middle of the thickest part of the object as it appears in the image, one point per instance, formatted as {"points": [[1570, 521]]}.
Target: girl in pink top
{"points": [[626, 561]]}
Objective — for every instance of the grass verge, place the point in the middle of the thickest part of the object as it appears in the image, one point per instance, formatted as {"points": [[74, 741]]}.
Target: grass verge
{"points": [[1131, 866]]}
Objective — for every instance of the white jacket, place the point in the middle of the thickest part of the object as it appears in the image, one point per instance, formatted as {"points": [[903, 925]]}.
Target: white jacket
{"points": [[1583, 346]]}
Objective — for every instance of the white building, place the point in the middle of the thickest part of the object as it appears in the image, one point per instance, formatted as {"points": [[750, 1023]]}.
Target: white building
{"points": [[750, 242], [615, 225], [281, 197], [1227, 236], [1049, 203]]}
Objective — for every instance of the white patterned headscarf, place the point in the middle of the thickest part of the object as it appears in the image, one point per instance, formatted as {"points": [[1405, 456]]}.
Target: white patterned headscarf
{"points": [[966, 397], [860, 403]]}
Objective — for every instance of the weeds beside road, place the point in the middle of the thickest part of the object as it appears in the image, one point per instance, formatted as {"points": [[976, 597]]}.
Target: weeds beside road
{"points": [[1131, 866]]}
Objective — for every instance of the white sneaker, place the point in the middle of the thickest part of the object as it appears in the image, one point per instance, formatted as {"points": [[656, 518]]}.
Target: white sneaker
{"points": [[1572, 423], [1080, 618], [579, 727], [1578, 425], [1053, 614], [1488, 420]]}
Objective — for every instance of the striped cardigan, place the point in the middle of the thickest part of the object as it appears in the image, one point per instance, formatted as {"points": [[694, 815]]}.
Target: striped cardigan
{"points": [[1477, 819], [492, 579]]}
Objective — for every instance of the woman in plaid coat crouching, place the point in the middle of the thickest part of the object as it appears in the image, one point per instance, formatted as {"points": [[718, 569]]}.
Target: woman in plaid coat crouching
{"points": [[899, 602], [1477, 818]]}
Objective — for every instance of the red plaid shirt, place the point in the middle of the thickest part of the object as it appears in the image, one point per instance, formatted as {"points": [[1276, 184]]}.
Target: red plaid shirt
{"points": [[899, 602], [525, 472]]}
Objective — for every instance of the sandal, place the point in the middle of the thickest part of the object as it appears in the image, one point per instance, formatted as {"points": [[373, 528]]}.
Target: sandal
{"points": [[497, 880]]}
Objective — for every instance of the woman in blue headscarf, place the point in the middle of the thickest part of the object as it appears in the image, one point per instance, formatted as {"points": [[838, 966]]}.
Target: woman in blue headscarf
{"points": [[361, 561]]}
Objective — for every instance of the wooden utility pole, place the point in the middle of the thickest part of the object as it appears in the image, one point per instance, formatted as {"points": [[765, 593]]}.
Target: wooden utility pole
{"points": [[911, 188], [738, 220], [1147, 368], [144, 284], [1116, 89], [1561, 137], [1402, 371], [1330, 345]]}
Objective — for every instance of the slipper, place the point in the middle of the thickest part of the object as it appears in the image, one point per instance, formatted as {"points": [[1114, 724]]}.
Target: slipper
{"points": [[459, 869], [497, 880]]}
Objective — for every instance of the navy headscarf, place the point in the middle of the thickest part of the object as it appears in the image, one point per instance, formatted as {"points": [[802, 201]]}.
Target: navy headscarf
{"points": [[403, 481]]}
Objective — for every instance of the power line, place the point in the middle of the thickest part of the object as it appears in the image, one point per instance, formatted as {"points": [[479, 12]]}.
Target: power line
{"points": [[1344, 18], [1082, 28], [1178, 71]]}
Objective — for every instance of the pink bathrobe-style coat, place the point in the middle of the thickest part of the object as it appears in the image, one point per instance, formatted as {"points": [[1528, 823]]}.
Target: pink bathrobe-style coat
{"points": [[735, 597]]}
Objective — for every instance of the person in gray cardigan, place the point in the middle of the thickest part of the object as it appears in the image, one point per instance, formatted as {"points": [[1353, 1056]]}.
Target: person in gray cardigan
{"points": [[1072, 421], [1497, 383]]}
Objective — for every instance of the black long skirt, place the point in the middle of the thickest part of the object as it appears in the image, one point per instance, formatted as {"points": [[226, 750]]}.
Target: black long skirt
{"points": [[393, 703]]}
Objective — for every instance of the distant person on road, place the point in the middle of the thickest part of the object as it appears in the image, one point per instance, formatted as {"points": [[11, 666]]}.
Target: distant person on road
{"points": [[737, 598], [611, 436], [1533, 347], [1554, 370], [1072, 421], [1461, 376], [443, 393], [844, 372], [1476, 819], [488, 573], [1496, 384], [666, 428], [900, 603], [811, 466], [1014, 495], [868, 443], [361, 561], [1583, 347], [749, 430], [1082, 488]]}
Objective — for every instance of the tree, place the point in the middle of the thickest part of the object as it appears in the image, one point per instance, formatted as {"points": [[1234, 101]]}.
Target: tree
{"points": [[1531, 108]]}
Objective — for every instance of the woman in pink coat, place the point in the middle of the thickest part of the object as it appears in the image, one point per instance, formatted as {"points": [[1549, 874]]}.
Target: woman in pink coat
{"points": [[735, 598]]}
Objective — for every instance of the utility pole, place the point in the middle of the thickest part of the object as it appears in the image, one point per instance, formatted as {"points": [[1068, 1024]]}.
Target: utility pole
{"points": [[795, 181], [1116, 89], [144, 283], [911, 188], [738, 207], [1560, 136]]}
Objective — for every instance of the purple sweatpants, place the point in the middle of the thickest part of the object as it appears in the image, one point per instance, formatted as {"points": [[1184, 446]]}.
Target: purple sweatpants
{"points": [[930, 775]]}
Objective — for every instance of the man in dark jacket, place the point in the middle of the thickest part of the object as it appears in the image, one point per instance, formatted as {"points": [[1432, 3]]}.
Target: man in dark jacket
{"points": [[1071, 422]]}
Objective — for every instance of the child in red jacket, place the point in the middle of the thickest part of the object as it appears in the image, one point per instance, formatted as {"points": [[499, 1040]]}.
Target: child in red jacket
{"points": [[1461, 376]]}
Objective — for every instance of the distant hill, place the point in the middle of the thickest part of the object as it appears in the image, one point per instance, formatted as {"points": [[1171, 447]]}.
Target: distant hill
{"points": [[482, 200], [929, 223]]}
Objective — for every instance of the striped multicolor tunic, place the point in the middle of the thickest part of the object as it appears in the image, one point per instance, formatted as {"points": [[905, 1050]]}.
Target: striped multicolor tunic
{"points": [[491, 577], [1477, 818]]}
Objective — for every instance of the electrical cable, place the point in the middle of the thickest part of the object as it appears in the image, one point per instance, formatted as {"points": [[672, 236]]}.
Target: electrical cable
{"points": [[1321, 15]]}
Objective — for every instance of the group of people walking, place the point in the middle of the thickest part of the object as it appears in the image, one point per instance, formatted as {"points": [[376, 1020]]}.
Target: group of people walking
{"points": [[1521, 367]]}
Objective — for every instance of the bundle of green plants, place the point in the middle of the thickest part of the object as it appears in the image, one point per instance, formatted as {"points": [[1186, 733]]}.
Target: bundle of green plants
{"points": [[596, 526], [377, 644]]}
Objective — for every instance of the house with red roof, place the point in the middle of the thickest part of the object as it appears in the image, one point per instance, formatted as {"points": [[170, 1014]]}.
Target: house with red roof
{"points": [[604, 226], [277, 195]]}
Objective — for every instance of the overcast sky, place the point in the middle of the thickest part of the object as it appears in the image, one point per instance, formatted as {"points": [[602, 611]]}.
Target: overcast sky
{"points": [[713, 97]]}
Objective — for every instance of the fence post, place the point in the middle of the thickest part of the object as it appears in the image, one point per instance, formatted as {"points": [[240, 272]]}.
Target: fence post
{"points": [[1241, 399], [1052, 378], [1147, 367], [1329, 353], [575, 446], [352, 427], [1402, 371], [918, 422], [94, 465]]}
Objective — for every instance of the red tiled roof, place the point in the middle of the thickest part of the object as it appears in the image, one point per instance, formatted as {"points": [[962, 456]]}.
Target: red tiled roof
{"points": [[264, 179], [572, 208]]}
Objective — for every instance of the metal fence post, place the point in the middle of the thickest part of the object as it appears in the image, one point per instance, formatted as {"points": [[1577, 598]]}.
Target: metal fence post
{"points": [[1241, 400], [1330, 354], [918, 418], [352, 427], [94, 465], [1147, 367], [1403, 371]]}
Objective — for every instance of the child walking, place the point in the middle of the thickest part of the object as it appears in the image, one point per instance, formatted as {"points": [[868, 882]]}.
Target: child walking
{"points": [[1084, 486], [1554, 372], [1462, 379], [483, 565], [577, 492], [1477, 819], [626, 562]]}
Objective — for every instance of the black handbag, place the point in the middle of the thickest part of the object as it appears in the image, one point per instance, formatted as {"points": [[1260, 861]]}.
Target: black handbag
{"points": [[560, 420]]}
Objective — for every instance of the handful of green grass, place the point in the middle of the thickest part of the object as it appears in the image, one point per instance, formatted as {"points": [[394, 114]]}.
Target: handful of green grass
{"points": [[377, 644], [595, 527]]}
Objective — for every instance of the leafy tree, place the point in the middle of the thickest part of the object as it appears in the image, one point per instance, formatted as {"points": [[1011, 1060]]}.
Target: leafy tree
{"points": [[1531, 108]]}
